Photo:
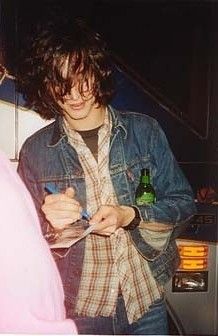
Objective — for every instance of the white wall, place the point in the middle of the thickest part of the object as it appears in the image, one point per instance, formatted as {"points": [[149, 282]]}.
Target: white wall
{"points": [[16, 124]]}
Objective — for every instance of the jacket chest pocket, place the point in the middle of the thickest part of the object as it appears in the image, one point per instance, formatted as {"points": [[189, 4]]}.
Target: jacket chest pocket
{"points": [[126, 179]]}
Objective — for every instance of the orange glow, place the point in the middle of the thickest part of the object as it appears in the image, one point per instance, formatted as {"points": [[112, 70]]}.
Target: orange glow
{"points": [[193, 264], [193, 251]]}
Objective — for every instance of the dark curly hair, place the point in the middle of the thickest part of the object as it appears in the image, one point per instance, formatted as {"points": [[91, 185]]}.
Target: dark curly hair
{"points": [[40, 66]]}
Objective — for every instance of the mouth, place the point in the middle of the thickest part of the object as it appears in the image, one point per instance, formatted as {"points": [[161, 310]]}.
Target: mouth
{"points": [[74, 106]]}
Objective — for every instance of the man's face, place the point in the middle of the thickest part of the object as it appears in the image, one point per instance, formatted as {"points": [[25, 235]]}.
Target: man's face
{"points": [[79, 101]]}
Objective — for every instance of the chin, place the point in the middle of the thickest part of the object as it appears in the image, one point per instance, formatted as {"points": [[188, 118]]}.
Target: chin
{"points": [[77, 115]]}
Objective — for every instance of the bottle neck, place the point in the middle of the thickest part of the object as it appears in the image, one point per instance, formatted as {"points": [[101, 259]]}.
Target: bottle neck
{"points": [[145, 179]]}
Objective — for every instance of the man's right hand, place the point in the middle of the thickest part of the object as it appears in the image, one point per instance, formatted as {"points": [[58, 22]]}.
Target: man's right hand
{"points": [[61, 209]]}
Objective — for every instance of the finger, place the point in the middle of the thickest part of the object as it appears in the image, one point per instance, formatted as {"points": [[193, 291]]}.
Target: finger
{"points": [[62, 206], [106, 226], [61, 210], [70, 192], [96, 218], [61, 213], [102, 213], [52, 200], [103, 232], [49, 199], [60, 220]]}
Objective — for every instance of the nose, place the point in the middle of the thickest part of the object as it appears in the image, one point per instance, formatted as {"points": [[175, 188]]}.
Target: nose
{"points": [[74, 94]]}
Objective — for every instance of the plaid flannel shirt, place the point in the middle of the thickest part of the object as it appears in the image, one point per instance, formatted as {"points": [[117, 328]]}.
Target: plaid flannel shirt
{"points": [[111, 264]]}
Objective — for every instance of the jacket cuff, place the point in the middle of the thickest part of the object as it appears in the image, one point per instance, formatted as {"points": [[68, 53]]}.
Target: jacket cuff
{"points": [[144, 248]]}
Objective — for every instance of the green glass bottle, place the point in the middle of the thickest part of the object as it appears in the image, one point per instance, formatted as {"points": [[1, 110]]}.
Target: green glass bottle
{"points": [[145, 193]]}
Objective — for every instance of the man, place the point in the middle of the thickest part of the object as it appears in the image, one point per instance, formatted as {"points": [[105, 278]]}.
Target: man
{"points": [[32, 298], [93, 154]]}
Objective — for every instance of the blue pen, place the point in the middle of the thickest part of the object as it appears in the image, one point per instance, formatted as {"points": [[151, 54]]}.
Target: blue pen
{"points": [[51, 189]]}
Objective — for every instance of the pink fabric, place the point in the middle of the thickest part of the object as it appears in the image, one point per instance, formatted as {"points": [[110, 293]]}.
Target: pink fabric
{"points": [[31, 293]]}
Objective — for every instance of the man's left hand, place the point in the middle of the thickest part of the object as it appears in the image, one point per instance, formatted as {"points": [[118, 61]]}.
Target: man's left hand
{"points": [[109, 218]]}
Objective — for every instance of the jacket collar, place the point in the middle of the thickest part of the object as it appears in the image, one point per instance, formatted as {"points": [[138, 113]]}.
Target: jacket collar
{"points": [[58, 132], [117, 122]]}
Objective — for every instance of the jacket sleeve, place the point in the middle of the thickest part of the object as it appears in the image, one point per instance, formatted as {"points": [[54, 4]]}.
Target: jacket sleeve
{"points": [[175, 201], [27, 175], [175, 204]]}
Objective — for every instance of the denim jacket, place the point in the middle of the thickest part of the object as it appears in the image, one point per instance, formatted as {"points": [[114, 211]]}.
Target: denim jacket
{"points": [[137, 142]]}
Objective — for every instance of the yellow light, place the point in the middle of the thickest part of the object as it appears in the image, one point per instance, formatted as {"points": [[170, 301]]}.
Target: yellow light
{"points": [[193, 250], [193, 264]]}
